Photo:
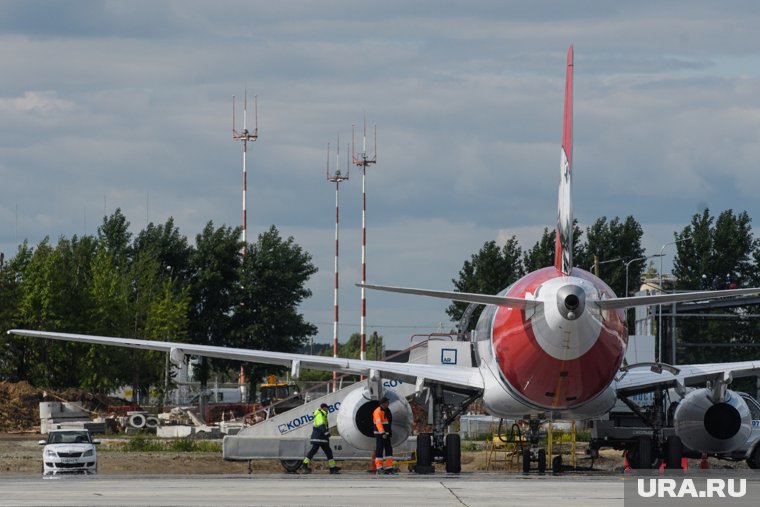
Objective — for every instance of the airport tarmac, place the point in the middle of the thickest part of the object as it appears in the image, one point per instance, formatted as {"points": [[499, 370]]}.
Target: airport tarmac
{"points": [[348, 489]]}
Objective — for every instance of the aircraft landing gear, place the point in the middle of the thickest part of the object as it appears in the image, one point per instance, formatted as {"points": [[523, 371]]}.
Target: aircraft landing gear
{"points": [[445, 406], [534, 453]]}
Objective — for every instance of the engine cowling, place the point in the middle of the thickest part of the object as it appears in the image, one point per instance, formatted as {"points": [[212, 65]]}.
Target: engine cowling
{"points": [[712, 427], [355, 419]]}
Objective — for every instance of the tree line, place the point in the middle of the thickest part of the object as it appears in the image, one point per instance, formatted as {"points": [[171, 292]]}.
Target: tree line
{"points": [[155, 286]]}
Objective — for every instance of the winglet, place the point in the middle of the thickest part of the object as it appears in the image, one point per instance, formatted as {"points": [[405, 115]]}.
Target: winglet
{"points": [[563, 242]]}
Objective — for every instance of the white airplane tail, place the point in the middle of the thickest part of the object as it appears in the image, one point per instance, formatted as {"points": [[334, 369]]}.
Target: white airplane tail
{"points": [[563, 242]]}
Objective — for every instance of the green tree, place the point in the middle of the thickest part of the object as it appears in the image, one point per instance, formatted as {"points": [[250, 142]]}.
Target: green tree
{"points": [[541, 254], [273, 279], [716, 248], [489, 271], [616, 241], [214, 285]]}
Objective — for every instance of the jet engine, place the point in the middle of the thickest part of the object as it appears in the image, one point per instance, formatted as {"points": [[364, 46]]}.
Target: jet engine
{"points": [[355, 419], [705, 426]]}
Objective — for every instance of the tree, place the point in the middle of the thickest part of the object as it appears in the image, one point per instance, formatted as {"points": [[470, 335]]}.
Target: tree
{"points": [[716, 248], [273, 279], [617, 242], [541, 254], [489, 271], [214, 283]]}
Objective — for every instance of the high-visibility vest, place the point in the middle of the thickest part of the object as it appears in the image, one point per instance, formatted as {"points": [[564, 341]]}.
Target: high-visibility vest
{"points": [[320, 418], [382, 425]]}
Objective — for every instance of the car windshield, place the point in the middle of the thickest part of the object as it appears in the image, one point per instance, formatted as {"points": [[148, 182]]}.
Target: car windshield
{"points": [[69, 437]]}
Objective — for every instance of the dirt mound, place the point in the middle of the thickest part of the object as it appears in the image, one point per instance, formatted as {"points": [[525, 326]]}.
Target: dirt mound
{"points": [[20, 404]]}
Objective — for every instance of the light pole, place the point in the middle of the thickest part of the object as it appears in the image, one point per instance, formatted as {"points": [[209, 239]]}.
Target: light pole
{"points": [[659, 319], [595, 266], [627, 265]]}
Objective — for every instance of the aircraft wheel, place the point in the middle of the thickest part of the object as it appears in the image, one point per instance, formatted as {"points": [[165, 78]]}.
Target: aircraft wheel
{"points": [[453, 453], [291, 465], [424, 454], [673, 452], [557, 464], [643, 453], [542, 461], [526, 460], [754, 459]]}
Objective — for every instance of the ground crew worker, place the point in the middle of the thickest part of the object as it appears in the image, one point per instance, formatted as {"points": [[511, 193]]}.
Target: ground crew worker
{"points": [[381, 417], [320, 438]]}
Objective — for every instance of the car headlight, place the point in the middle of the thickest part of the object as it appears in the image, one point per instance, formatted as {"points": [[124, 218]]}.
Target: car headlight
{"points": [[87, 453], [49, 453]]}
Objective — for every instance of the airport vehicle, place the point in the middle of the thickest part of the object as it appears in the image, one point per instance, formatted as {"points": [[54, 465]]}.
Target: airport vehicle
{"points": [[69, 452], [550, 346], [285, 394]]}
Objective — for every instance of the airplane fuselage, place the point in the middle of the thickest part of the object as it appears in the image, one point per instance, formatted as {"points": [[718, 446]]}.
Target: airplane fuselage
{"points": [[559, 354]]}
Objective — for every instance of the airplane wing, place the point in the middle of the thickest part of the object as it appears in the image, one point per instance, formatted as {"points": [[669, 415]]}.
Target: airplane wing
{"points": [[644, 380], [604, 304], [467, 297], [661, 299], [453, 376]]}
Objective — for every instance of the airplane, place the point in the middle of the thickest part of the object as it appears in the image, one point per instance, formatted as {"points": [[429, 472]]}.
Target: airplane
{"points": [[549, 346]]}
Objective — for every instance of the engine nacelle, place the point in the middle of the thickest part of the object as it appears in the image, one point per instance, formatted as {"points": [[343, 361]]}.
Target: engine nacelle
{"points": [[712, 427], [355, 419]]}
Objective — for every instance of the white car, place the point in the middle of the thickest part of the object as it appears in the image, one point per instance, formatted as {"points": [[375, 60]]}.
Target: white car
{"points": [[69, 452]]}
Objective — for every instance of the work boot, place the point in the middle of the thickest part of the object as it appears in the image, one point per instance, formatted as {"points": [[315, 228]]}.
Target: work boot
{"points": [[390, 471], [334, 470], [306, 469]]}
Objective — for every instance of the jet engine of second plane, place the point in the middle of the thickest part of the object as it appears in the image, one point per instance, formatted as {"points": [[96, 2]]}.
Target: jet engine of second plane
{"points": [[355, 419], [707, 426]]}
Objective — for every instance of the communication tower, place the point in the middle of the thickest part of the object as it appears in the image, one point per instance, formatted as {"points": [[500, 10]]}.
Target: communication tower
{"points": [[245, 136], [337, 177], [363, 161]]}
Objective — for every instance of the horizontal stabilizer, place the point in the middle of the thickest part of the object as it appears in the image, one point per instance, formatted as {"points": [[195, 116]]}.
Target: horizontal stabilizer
{"points": [[467, 297], [661, 299]]}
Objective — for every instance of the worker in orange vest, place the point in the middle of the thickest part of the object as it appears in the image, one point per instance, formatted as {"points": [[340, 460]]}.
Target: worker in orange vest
{"points": [[382, 420]]}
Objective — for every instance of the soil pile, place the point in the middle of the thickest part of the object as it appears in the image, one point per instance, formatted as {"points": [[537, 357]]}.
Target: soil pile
{"points": [[20, 404]]}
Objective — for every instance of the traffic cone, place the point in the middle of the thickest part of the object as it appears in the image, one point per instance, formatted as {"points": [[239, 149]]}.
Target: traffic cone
{"points": [[372, 466]]}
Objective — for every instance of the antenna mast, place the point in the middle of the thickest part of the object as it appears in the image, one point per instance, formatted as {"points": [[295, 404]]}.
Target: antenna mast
{"points": [[363, 161], [245, 136], [337, 177]]}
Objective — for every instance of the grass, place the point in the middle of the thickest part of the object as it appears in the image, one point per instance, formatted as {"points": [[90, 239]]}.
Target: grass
{"points": [[140, 443]]}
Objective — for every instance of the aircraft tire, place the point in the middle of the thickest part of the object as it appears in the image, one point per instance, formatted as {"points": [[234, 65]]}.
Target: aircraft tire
{"points": [[643, 453], [673, 452], [424, 454], [526, 461], [453, 453], [557, 464], [542, 461], [754, 459]]}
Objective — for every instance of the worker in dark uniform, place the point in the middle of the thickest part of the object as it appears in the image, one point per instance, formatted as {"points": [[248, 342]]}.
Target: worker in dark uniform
{"points": [[320, 439], [382, 420]]}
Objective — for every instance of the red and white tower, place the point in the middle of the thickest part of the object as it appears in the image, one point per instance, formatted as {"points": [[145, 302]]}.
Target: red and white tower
{"points": [[337, 177], [245, 136], [363, 161]]}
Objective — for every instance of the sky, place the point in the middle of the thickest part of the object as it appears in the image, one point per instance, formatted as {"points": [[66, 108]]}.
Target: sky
{"points": [[128, 104]]}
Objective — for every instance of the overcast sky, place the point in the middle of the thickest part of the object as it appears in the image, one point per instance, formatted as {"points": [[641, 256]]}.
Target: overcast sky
{"points": [[116, 104]]}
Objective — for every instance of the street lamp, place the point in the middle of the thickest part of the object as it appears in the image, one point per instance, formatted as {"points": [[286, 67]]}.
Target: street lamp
{"points": [[597, 264], [659, 319], [627, 265]]}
